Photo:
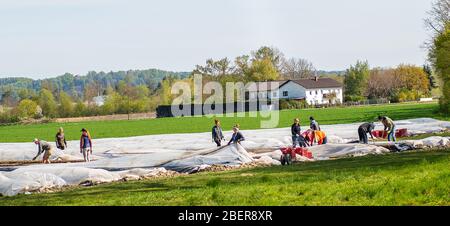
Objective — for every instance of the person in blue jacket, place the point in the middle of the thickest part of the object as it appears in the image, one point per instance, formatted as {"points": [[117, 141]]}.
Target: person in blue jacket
{"points": [[237, 136]]}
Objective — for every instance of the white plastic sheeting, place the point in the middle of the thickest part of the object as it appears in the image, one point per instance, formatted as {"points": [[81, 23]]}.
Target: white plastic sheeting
{"points": [[39, 177], [118, 158], [233, 154], [179, 145]]}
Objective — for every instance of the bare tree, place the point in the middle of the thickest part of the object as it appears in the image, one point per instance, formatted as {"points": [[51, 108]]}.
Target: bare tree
{"points": [[215, 68], [382, 83], [297, 68], [438, 16]]}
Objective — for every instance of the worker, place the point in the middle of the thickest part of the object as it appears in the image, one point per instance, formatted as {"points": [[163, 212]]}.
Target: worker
{"points": [[295, 132], [60, 139], [86, 145], [237, 136], [314, 125], [318, 137], [363, 130], [217, 134], [43, 147], [389, 127]]}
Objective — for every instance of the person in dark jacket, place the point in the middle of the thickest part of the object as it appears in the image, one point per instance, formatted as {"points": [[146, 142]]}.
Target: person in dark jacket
{"points": [[217, 135], [363, 130], [237, 136], [43, 147], [314, 125], [295, 132], [86, 145], [60, 139]]}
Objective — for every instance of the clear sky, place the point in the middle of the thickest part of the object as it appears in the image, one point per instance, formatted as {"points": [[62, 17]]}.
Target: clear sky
{"points": [[46, 38]]}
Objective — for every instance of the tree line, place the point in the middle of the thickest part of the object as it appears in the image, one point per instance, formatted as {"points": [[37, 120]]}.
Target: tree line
{"points": [[402, 83], [73, 96]]}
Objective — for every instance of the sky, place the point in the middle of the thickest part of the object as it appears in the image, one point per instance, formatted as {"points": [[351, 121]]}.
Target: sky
{"points": [[47, 38]]}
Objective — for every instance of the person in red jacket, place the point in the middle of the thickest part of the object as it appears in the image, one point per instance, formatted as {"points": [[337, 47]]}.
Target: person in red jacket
{"points": [[86, 145]]}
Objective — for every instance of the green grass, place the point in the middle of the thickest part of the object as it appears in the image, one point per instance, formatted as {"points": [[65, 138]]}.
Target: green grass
{"points": [[413, 178], [105, 129]]}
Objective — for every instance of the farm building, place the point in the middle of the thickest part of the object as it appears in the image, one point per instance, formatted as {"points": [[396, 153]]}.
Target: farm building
{"points": [[314, 91]]}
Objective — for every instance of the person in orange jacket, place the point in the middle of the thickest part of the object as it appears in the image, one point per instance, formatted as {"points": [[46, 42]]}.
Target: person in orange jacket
{"points": [[317, 136]]}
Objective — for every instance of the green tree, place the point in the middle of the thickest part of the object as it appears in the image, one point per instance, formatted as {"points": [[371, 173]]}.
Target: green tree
{"points": [[356, 80], [112, 104], [431, 79], [79, 109], [273, 54], [47, 102], [440, 57], [413, 78], [262, 70], [26, 108], [65, 105]]}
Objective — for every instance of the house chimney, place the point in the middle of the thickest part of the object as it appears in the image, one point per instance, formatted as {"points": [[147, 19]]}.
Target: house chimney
{"points": [[316, 78]]}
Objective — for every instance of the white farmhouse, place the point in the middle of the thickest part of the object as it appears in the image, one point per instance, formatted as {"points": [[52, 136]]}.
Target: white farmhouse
{"points": [[315, 91]]}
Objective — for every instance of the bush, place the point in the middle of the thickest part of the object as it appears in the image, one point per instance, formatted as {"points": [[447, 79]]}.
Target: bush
{"points": [[293, 104], [354, 98], [26, 109], [8, 117]]}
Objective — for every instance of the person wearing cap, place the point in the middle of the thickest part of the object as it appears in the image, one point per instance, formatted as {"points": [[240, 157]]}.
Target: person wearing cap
{"points": [[237, 136], [86, 145], [60, 139], [314, 125], [43, 147]]}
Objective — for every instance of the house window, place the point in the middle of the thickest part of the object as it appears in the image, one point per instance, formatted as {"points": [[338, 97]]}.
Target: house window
{"points": [[317, 92], [310, 92], [285, 93]]}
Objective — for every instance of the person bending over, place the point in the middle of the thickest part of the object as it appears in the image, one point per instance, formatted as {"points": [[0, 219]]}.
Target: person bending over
{"points": [[389, 127], [43, 147], [363, 130]]}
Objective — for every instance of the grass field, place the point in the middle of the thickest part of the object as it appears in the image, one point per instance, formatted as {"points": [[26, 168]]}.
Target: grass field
{"points": [[414, 178], [105, 129]]}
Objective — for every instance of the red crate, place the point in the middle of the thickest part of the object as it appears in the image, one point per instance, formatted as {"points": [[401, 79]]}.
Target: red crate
{"points": [[401, 133], [380, 134]]}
